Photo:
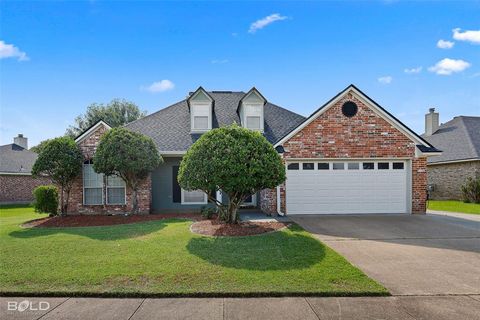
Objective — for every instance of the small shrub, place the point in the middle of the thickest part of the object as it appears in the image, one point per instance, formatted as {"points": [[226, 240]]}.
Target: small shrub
{"points": [[208, 212], [46, 199], [471, 190]]}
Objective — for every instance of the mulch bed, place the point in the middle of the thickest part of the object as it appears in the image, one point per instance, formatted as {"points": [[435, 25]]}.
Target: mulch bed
{"points": [[103, 220], [212, 227], [220, 229]]}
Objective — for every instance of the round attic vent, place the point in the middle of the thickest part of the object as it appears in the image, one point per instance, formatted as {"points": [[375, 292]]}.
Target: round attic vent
{"points": [[349, 109]]}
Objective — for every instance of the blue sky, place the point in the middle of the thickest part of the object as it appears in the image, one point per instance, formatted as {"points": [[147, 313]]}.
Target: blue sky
{"points": [[58, 57]]}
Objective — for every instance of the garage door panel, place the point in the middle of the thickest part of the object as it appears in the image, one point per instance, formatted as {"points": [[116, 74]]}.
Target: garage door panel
{"points": [[346, 191]]}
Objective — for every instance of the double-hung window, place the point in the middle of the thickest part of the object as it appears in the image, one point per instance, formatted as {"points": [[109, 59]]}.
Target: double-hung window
{"points": [[115, 190], [92, 185], [253, 116], [201, 114]]}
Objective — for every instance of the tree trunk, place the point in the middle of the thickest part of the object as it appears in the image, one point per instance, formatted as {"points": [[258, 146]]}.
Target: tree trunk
{"points": [[232, 216], [135, 200], [67, 200], [62, 206]]}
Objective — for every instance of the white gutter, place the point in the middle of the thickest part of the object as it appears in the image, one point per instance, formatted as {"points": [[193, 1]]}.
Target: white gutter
{"points": [[279, 208]]}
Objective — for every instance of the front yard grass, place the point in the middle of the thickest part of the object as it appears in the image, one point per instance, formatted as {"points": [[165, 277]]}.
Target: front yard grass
{"points": [[454, 206], [163, 258]]}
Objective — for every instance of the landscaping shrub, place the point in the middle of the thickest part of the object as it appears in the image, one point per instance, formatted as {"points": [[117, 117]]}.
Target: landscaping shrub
{"points": [[208, 212], [238, 161], [471, 190], [46, 199]]}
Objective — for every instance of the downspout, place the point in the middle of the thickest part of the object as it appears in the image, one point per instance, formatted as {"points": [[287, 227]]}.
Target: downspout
{"points": [[280, 150], [279, 208]]}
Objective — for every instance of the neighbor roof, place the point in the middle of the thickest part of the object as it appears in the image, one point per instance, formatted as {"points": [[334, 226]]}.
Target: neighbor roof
{"points": [[459, 139], [16, 160], [170, 127]]}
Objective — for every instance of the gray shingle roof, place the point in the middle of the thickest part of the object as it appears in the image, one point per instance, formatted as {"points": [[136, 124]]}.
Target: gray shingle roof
{"points": [[170, 127], [15, 159], [459, 139]]}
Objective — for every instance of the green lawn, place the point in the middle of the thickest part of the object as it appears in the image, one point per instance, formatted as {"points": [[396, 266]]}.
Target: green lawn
{"points": [[163, 258], [454, 206]]}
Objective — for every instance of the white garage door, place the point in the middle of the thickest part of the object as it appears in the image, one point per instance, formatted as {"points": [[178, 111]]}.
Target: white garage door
{"points": [[341, 187]]}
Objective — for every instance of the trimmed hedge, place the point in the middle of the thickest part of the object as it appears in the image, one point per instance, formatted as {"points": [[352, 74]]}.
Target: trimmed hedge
{"points": [[46, 199]]}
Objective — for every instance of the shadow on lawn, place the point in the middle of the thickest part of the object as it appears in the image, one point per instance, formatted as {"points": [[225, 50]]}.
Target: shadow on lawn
{"points": [[104, 233], [275, 251]]}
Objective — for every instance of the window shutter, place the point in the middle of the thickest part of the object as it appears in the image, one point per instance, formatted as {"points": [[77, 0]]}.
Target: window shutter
{"points": [[176, 190]]}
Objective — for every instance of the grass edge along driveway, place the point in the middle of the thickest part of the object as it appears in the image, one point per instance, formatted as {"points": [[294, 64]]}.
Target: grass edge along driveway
{"points": [[454, 206], [163, 258]]}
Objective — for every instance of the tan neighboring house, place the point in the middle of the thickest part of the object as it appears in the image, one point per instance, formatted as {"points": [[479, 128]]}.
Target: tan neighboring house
{"points": [[459, 139], [16, 180]]}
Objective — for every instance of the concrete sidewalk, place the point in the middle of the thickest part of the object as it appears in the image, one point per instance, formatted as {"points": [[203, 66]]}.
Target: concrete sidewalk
{"points": [[400, 307]]}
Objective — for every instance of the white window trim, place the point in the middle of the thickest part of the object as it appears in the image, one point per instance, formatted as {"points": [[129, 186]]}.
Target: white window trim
{"points": [[245, 107], [106, 194], [102, 187], [192, 116], [205, 197]]}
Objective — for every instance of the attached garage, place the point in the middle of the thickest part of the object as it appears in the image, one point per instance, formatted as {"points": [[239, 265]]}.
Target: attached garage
{"points": [[348, 187]]}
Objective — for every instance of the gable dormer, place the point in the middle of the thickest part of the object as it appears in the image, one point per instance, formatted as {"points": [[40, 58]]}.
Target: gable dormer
{"points": [[200, 104], [251, 110]]}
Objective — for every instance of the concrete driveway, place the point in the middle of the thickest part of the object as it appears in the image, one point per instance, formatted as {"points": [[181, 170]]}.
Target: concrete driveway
{"points": [[409, 254]]}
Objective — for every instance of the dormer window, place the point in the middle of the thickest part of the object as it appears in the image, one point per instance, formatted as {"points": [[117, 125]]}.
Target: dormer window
{"points": [[251, 110], [201, 117], [254, 122], [201, 110]]}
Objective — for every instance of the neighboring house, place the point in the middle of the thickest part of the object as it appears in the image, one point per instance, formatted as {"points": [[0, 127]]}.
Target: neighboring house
{"points": [[16, 181], [459, 140], [349, 156]]}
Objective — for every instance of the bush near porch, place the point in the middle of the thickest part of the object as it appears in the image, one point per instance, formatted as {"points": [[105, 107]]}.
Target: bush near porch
{"points": [[163, 258]]}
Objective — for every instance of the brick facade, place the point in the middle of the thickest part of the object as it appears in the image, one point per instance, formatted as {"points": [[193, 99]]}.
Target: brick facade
{"points": [[88, 147], [366, 135], [448, 178], [19, 188]]}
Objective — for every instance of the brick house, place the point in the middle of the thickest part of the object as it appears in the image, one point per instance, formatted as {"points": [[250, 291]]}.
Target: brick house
{"points": [[459, 140], [16, 180], [350, 156]]}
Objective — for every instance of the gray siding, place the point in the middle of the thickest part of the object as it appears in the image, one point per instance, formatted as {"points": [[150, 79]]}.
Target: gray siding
{"points": [[162, 195], [162, 190]]}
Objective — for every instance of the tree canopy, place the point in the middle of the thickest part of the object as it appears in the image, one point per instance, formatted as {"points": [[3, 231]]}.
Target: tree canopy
{"points": [[61, 159], [129, 155], [116, 113], [235, 160], [39, 147]]}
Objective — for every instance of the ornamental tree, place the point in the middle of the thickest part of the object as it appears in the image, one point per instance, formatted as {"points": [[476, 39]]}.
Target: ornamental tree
{"points": [[116, 113], [235, 160], [61, 159], [129, 155]]}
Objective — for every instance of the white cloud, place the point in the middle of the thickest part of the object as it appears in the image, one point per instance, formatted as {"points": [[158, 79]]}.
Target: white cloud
{"points": [[444, 44], [219, 61], [262, 23], [413, 70], [10, 51], [385, 80], [472, 36], [160, 86], [448, 66]]}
